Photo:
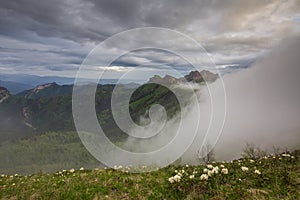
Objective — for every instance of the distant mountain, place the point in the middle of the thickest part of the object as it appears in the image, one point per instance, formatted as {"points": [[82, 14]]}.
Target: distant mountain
{"points": [[168, 80], [47, 90], [15, 87], [39, 80]]}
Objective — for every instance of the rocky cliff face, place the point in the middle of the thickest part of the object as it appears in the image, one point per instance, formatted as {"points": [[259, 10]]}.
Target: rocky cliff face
{"points": [[167, 80], [4, 94], [194, 76], [203, 76], [38, 88]]}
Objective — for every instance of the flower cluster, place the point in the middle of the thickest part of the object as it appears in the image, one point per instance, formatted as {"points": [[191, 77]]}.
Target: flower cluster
{"points": [[178, 176], [209, 171]]}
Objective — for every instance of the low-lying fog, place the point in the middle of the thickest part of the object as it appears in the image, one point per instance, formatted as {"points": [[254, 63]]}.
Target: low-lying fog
{"points": [[263, 108]]}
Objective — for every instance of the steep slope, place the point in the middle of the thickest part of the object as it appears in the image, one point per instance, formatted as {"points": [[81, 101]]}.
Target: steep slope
{"points": [[4, 94], [47, 90]]}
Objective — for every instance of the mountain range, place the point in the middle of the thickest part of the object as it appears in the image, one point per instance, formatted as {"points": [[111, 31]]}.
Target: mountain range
{"points": [[37, 131], [48, 107]]}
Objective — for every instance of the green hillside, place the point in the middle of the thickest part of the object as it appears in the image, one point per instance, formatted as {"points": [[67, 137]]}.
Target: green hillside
{"points": [[47, 152], [51, 109]]}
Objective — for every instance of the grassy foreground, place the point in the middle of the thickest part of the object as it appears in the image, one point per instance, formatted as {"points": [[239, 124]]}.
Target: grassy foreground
{"points": [[272, 177]]}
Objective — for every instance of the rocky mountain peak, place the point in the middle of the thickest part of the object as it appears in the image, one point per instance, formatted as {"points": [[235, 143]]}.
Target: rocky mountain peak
{"points": [[193, 76], [204, 75], [39, 88], [167, 80]]}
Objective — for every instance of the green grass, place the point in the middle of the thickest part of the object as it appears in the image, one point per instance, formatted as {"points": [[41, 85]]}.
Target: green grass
{"points": [[279, 179]]}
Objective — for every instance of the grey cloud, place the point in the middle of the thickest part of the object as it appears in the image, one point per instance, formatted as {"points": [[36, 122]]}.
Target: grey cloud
{"points": [[63, 32], [95, 20]]}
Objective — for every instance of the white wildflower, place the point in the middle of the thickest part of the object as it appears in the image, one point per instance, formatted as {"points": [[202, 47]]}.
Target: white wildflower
{"points": [[286, 155], [252, 161], [257, 171], [192, 176], [210, 172], [81, 169], [225, 171], [177, 178], [205, 170], [209, 166], [72, 170], [245, 168], [171, 179], [215, 170], [204, 177], [222, 166], [186, 165], [292, 157]]}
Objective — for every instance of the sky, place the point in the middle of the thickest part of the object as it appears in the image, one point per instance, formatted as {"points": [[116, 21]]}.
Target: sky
{"points": [[54, 37]]}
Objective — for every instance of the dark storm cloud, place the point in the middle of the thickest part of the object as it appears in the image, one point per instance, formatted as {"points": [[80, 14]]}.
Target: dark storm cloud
{"points": [[95, 20], [21, 19], [54, 33]]}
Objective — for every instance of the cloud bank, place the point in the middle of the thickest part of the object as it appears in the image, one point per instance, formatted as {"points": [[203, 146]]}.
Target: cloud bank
{"points": [[263, 105], [39, 37]]}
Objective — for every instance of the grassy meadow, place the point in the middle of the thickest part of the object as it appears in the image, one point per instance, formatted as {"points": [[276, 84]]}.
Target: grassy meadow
{"points": [[269, 177]]}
